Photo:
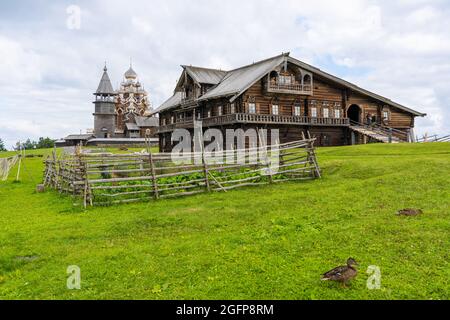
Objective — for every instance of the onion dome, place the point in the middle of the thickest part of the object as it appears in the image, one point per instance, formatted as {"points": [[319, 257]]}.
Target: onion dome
{"points": [[130, 74]]}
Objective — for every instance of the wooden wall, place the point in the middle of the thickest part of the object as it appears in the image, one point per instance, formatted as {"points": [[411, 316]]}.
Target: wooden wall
{"points": [[397, 118]]}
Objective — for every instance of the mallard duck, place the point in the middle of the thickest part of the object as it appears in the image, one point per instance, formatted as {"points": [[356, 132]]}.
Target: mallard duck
{"points": [[342, 274]]}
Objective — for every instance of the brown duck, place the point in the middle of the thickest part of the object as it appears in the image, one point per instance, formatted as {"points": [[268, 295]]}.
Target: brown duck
{"points": [[342, 274]]}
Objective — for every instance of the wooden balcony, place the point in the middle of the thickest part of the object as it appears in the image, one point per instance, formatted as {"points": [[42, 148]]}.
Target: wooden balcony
{"points": [[229, 119], [188, 101], [303, 89]]}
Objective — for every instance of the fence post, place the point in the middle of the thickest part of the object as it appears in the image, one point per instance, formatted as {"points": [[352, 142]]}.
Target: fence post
{"points": [[205, 170], [390, 135], [312, 158], [263, 146], [155, 180]]}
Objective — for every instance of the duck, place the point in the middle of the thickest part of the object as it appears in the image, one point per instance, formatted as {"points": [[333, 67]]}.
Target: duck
{"points": [[342, 274]]}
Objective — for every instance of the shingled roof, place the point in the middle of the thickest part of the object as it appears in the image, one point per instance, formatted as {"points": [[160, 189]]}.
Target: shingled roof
{"points": [[205, 75], [237, 81], [105, 86], [146, 121]]}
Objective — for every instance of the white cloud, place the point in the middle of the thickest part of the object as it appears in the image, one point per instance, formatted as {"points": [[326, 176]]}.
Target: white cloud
{"points": [[48, 73]]}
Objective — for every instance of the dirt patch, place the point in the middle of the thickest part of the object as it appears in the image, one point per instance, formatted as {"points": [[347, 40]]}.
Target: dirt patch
{"points": [[410, 212]]}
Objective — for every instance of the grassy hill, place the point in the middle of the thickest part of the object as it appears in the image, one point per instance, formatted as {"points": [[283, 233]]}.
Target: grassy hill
{"points": [[271, 242]]}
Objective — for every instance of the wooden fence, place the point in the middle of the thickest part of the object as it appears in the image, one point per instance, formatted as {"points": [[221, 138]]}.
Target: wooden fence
{"points": [[104, 178]]}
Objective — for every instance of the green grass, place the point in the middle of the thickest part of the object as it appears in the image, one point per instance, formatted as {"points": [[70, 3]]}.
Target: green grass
{"points": [[271, 242]]}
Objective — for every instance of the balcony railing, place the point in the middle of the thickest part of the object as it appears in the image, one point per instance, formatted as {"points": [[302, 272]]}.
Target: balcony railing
{"points": [[258, 119], [289, 88], [187, 101]]}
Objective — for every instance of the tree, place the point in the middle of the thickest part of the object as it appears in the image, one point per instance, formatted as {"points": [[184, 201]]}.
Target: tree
{"points": [[42, 143], [2, 145], [28, 145], [45, 143]]}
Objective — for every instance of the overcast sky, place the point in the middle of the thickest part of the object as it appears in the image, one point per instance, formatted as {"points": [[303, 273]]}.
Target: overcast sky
{"points": [[49, 68]]}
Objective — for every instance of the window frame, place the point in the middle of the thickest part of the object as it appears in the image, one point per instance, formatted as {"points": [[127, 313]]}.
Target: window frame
{"points": [[326, 112], [252, 106], [299, 109], [277, 108], [313, 112], [337, 113]]}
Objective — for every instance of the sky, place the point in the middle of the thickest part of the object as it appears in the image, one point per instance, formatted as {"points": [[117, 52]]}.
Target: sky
{"points": [[52, 52]]}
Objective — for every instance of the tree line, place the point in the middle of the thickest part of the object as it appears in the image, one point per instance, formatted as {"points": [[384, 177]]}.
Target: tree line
{"points": [[42, 143]]}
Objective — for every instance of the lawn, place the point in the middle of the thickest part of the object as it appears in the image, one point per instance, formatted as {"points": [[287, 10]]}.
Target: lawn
{"points": [[270, 242]]}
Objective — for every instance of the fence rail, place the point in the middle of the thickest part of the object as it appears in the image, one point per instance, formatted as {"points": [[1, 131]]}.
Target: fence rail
{"points": [[104, 179]]}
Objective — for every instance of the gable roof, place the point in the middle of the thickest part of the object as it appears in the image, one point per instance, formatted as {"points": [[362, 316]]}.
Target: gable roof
{"points": [[352, 86], [205, 75], [173, 101], [237, 81], [146, 121], [131, 126]]}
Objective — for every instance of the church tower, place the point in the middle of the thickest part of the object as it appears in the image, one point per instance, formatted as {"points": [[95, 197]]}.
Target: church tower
{"points": [[104, 116], [132, 100]]}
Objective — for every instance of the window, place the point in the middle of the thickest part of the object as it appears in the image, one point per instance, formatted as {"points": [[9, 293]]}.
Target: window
{"points": [[307, 79], [251, 108], [163, 121], [314, 112], [232, 108], [199, 115], [219, 110], [385, 115], [297, 111], [337, 113], [326, 112], [209, 113], [171, 119], [275, 109]]}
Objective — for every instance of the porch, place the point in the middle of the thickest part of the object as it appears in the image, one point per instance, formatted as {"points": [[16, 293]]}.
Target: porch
{"points": [[257, 119]]}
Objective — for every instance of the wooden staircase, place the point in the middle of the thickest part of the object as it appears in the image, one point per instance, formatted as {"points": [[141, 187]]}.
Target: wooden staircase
{"points": [[378, 133]]}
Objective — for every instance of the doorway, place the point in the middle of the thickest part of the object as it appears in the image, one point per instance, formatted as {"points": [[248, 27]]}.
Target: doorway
{"points": [[354, 113]]}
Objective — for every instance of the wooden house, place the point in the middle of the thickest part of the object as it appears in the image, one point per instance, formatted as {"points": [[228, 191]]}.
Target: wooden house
{"points": [[286, 94]]}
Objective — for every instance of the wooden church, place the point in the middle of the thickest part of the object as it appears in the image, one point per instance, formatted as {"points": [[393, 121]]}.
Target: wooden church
{"points": [[286, 94]]}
